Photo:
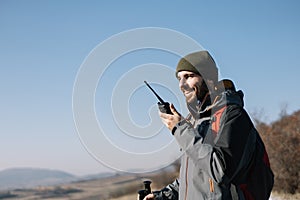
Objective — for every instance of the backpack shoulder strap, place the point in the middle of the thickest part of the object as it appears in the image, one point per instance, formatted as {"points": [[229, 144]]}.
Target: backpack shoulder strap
{"points": [[216, 120], [213, 135]]}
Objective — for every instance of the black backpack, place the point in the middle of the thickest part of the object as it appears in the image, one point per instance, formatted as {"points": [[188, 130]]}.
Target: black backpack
{"points": [[254, 179], [259, 179]]}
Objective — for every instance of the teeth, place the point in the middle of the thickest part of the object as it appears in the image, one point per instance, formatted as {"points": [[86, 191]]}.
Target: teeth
{"points": [[188, 92]]}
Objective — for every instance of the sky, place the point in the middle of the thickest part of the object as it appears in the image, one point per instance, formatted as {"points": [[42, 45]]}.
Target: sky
{"points": [[46, 46]]}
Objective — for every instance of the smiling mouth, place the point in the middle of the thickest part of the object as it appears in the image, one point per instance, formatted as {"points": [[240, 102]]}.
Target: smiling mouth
{"points": [[188, 93]]}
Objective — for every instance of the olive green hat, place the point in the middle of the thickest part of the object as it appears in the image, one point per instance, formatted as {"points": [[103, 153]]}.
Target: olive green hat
{"points": [[200, 63]]}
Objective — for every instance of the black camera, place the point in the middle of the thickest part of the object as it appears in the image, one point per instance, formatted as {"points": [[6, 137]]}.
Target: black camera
{"points": [[143, 193]]}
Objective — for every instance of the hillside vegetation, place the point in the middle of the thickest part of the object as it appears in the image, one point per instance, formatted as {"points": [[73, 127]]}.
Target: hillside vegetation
{"points": [[282, 139]]}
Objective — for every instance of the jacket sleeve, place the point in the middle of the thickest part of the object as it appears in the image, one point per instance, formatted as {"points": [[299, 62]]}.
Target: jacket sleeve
{"points": [[222, 157], [170, 192]]}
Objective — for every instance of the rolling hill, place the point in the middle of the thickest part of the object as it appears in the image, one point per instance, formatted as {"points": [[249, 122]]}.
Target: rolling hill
{"points": [[31, 177]]}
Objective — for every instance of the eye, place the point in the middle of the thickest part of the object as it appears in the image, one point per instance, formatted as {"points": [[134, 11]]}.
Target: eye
{"points": [[189, 76]]}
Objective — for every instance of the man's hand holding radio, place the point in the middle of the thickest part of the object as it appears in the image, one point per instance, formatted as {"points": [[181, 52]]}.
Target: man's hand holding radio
{"points": [[170, 120]]}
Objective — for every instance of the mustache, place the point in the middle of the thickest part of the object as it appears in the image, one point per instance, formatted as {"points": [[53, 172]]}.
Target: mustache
{"points": [[189, 89]]}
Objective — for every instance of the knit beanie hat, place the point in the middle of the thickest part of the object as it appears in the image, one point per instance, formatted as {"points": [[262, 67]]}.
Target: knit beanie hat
{"points": [[200, 63]]}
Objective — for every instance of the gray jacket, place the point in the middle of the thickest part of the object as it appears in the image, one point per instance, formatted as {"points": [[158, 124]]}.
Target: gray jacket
{"points": [[211, 161]]}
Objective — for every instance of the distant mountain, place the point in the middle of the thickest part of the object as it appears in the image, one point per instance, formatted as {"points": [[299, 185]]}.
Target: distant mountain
{"points": [[32, 177], [97, 176]]}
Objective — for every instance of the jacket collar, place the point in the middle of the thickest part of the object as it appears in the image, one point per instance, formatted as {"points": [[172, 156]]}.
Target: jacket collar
{"points": [[225, 98], [199, 111]]}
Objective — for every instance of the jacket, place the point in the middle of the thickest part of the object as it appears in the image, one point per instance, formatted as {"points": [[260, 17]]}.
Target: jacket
{"points": [[213, 162]]}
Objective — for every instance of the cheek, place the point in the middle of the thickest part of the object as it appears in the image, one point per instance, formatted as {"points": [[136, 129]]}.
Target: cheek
{"points": [[197, 86], [194, 84]]}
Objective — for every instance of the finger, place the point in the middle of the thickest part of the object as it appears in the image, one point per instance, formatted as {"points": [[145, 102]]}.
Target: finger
{"points": [[173, 109], [166, 122], [149, 197], [163, 115]]}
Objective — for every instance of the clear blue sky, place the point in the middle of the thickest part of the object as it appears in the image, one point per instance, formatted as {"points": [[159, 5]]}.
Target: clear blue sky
{"points": [[43, 44]]}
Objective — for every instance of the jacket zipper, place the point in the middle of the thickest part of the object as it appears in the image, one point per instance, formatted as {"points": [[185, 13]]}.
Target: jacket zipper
{"points": [[211, 185], [186, 177]]}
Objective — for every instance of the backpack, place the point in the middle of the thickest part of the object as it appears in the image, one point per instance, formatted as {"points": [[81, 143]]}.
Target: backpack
{"points": [[257, 179]]}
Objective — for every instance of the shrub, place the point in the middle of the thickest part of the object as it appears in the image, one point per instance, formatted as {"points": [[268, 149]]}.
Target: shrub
{"points": [[282, 139]]}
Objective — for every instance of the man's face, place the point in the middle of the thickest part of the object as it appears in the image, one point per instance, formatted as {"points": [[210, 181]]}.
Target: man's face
{"points": [[190, 85]]}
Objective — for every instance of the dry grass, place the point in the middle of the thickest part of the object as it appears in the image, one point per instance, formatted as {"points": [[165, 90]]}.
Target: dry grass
{"points": [[127, 197], [281, 196], [121, 187]]}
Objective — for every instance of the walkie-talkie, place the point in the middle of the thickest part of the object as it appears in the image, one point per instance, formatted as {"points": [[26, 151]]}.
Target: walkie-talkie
{"points": [[163, 106]]}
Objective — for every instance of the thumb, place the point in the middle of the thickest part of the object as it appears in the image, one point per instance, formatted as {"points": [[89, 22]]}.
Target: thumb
{"points": [[173, 109]]}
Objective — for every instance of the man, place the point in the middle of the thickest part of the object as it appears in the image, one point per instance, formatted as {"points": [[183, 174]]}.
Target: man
{"points": [[222, 150]]}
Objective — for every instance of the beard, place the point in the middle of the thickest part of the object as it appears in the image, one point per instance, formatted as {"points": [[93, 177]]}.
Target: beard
{"points": [[195, 96]]}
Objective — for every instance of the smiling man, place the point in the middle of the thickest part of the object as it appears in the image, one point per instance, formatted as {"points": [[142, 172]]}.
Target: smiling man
{"points": [[224, 157]]}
